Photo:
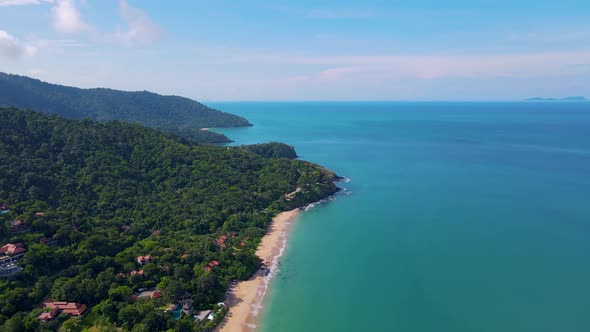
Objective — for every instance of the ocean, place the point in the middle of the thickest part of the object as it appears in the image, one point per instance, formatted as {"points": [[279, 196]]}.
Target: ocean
{"points": [[459, 217]]}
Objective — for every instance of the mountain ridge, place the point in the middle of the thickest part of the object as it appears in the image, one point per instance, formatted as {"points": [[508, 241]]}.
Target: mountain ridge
{"points": [[168, 113]]}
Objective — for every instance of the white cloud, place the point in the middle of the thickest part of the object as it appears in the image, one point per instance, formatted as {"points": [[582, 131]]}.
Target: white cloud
{"points": [[524, 65], [12, 48], [140, 29], [67, 19], [6, 3], [389, 66]]}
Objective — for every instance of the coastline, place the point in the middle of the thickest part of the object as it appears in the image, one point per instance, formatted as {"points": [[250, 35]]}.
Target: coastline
{"points": [[246, 299]]}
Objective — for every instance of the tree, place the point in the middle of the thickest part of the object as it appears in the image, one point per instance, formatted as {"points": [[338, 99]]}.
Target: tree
{"points": [[120, 294]]}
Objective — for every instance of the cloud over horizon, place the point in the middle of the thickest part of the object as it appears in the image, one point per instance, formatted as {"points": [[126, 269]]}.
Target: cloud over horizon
{"points": [[12, 48]]}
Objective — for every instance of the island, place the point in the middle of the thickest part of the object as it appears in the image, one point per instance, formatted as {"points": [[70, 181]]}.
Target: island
{"points": [[575, 98], [113, 226]]}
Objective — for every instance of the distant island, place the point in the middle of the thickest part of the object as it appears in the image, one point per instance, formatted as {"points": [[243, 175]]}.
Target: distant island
{"points": [[170, 114], [575, 98]]}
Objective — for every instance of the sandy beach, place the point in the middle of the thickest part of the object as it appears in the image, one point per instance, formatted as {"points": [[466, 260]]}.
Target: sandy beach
{"points": [[246, 298]]}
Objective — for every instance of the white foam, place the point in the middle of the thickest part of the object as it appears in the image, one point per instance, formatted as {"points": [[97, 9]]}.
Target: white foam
{"points": [[345, 180], [273, 269]]}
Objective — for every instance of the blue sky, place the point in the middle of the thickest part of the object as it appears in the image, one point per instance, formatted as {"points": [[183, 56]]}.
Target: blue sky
{"points": [[304, 50]]}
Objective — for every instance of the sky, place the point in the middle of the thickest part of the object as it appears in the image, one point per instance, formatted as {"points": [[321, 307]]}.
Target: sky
{"points": [[301, 50]]}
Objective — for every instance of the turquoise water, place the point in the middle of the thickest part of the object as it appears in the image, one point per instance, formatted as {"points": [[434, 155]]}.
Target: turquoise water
{"points": [[463, 217]]}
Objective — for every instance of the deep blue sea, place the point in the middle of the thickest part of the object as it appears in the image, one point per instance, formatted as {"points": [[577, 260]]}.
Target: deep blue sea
{"points": [[463, 217]]}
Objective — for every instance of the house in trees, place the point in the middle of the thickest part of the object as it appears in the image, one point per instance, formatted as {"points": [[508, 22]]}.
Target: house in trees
{"points": [[65, 308], [140, 272], [10, 253], [143, 260], [4, 208], [19, 227]]}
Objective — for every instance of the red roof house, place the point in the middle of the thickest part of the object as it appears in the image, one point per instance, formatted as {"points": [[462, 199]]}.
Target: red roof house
{"points": [[140, 272], [143, 260], [213, 264], [67, 308], [48, 315], [222, 239], [12, 249], [19, 226]]}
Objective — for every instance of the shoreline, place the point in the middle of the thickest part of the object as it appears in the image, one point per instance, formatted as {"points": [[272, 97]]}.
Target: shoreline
{"points": [[246, 298]]}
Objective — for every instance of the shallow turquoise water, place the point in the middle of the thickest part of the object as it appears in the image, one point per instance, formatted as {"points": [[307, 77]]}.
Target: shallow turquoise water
{"points": [[463, 217]]}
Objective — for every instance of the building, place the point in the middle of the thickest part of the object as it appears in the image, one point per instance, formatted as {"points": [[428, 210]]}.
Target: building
{"points": [[143, 260], [222, 239], [152, 294], [12, 249], [202, 315], [140, 272], [57, 308], [48, 241], [19, 227], [48, 315], [4, 208], [11, 253]]}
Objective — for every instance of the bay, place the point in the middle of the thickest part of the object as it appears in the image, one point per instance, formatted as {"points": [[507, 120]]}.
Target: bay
{"points": [[462, 216]]}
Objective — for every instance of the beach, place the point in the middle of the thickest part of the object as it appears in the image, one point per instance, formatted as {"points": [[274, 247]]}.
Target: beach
{"points": [[245, 300]]}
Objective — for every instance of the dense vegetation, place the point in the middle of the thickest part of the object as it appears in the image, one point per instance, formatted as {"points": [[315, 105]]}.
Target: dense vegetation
{"points": [[272, 150], [112, 191], [171, 114]]}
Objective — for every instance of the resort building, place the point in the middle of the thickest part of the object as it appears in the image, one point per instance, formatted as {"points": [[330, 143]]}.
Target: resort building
{"points": [[140, 272], [4, 208], [143, 260], [57, 308], [202, 315], [19, 227], [11, 253], [48, 241]]}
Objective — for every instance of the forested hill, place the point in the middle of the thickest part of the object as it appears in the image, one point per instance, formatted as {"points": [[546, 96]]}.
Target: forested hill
{"points": [[93, 198], [172, 114]]}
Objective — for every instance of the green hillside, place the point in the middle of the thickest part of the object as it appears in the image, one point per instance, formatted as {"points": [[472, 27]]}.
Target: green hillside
{"points": [[171, 114], [92, 197]]}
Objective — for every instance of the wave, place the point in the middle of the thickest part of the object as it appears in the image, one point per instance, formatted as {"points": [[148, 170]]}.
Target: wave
{"points": [[343, 179], [342, 192], [272, 270], [274, 267]]}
